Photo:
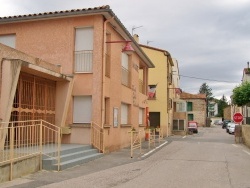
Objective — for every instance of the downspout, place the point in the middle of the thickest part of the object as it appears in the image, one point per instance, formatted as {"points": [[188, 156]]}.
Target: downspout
{"points": [[103, 70], [168, 122]]}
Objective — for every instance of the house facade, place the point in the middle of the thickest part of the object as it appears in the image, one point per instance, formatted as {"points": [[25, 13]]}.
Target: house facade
{"points": [[92, 79], [246, 108], [195, 107], [159, 84]]}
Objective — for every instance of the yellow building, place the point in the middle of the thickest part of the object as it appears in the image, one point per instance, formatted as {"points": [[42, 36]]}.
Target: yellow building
{"points": [[160, 88]]}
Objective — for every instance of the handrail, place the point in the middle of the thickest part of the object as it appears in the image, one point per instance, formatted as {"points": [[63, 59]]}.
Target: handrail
{"points": [[97, 137], [24, 139]]}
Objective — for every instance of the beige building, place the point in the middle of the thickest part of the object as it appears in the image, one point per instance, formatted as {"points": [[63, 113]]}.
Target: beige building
{"points": [[160, 86], [79, 71]]}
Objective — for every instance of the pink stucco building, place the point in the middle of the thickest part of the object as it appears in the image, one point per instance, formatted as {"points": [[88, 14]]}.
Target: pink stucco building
{"points": [[72, 73]]}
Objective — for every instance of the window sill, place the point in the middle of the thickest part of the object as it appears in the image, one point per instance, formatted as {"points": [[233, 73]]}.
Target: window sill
{"points": [[126, 125], [80, 125], [107, 126]]}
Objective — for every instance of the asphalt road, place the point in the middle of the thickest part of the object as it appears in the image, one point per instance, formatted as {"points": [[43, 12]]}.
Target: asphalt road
{"points": [[209, 159]]}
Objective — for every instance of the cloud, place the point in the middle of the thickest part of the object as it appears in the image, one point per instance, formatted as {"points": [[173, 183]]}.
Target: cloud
{"points": [[210, 39]]}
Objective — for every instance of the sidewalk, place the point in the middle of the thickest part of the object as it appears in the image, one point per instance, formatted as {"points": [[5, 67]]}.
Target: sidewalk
{"points": [[110, 160]]}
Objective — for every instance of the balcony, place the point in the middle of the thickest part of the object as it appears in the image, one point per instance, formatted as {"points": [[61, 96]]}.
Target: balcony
{"points": [[84, 61]]}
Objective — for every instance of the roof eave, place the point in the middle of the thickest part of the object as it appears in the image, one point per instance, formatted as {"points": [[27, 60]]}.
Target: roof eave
{"points": [[104, 10]]}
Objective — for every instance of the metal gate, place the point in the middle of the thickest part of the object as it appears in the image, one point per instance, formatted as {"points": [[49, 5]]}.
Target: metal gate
{"points": [[34, 99]]}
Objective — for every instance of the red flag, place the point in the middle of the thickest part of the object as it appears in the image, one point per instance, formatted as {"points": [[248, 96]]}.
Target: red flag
{"points": [[151, 91]]}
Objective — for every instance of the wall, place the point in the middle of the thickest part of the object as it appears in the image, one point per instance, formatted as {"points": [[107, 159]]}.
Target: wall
{"points": [[199, 111], [227, 113], [158, 75], [53, 41], [20, 168], [246, 135]]}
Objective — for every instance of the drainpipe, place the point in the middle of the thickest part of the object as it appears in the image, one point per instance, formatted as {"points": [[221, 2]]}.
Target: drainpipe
{"points": [[103, 70], [168, 122]]}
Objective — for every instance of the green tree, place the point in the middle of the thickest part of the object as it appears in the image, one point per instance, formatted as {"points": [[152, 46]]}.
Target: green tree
{"points": [[222, 103], [241, 94], [205, 89]]}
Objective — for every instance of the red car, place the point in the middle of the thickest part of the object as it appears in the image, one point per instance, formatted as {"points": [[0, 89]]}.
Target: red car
{"points": [[192, 126]]}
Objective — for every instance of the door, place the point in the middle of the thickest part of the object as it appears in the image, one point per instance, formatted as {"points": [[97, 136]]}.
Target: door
{"points": [[154, 118]]}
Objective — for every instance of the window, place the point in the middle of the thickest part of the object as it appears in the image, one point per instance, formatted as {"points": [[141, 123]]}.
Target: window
{"points": [[8, 40], [125, 69], [178, 125], [170, 102], [180, 106], [83, 50], [124, 113], [170, 78], [189, 106], [82, 109], [141, 115], [107, 56], [152, 91], [190, 117]]}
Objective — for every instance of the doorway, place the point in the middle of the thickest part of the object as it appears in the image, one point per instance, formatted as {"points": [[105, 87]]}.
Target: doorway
{"points": [[155, 119]]}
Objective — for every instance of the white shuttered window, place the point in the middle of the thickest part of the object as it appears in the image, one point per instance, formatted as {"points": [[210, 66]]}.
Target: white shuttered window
{"points": [[82, 109], [141, 113], [8, 40], [84, 49], [124, 113]]}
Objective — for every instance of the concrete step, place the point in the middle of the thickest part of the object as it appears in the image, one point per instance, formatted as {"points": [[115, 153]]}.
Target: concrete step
{"points": [[71, 157]]}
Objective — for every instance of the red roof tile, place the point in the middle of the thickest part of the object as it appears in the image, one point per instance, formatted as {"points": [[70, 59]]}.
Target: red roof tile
{"points": [[185, 95], [65, 12]]}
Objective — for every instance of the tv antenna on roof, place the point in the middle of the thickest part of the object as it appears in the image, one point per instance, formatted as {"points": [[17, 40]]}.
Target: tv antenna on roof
{"points": [[148, 41], [134, 27]]}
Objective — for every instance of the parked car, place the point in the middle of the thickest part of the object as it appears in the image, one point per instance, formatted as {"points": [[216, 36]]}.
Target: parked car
{"points": [[218, 122], [231, 124], [225, 122], [231, 128], [192, 126]]}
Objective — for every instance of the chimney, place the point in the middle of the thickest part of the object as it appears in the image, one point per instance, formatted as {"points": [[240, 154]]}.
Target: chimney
{"points": [[136, 37]]}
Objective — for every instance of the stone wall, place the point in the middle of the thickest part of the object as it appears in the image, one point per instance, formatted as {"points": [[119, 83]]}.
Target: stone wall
{"points": [[246, 135], [227, 113]]}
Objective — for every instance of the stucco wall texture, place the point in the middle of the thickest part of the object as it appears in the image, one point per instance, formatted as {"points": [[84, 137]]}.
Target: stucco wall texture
{"points": [[53, 40]]}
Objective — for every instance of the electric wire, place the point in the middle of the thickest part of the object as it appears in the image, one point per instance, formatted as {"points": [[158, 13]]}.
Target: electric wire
{"points": [[207, 79]]}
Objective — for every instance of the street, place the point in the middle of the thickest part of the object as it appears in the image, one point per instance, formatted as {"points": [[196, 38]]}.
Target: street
{"points": [[208, 159]]}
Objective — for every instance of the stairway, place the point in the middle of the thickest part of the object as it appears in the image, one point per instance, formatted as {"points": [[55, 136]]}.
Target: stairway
{"points": [[71, 155]]}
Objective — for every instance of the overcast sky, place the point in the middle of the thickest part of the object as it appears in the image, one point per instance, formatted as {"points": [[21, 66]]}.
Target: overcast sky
{"points": [[210, 39]]}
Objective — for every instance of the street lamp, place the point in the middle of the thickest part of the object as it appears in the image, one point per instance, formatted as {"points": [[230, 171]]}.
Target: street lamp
{"points": [[128, 49]]}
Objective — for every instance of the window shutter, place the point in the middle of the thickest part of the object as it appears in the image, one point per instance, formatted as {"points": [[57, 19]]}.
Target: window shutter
{"points": [[8, 40], [84, 39], [124, 114], [82, 109]]}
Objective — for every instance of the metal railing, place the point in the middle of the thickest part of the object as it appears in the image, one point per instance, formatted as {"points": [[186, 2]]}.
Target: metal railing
{"points": [[160, 135], [135, 141], [83, 61], [97, 137], [152, 137], [21, 140], [125, 76]]}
